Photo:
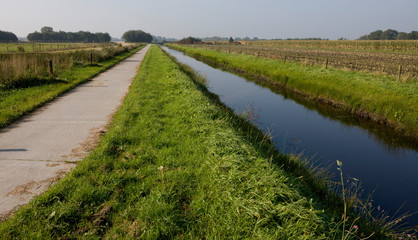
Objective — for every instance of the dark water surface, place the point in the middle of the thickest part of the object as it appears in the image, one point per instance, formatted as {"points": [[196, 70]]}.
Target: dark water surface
{"points": [[384, 162]]}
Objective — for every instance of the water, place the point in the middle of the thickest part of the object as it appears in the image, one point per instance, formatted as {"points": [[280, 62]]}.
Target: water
{"points": [[385, 164]]}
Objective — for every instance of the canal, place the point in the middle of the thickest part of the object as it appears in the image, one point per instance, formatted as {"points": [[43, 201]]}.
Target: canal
{"points": [[385, 163]]}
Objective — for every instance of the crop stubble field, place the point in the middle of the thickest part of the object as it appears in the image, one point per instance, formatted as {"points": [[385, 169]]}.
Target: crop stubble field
{"points": [[19, 67], [46, 47], [388, 57]]}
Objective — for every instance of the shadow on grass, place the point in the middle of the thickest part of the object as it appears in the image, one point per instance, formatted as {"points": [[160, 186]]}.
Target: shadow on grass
{"points": [[32, 82]]}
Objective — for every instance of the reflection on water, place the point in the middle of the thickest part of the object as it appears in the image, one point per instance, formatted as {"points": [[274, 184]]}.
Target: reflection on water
{"points": [[385, 162]]}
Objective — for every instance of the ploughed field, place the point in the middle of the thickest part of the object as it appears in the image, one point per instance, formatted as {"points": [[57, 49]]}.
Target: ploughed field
{"points": [[398, 58]]}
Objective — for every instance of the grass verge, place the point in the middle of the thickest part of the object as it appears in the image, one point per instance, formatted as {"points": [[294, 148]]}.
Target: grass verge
{"points": [[377, 97], [16, 102], [176, 163]]}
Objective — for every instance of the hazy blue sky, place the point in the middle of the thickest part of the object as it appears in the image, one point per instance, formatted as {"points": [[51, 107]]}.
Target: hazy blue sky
{"points": [[237, 18]]}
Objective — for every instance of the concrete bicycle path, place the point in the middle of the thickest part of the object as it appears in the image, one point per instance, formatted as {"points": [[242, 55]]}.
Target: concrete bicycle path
{"points": [[46, 144]]}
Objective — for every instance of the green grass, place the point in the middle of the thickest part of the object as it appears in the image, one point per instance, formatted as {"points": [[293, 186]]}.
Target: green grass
{"points": [[176, 163], [15, 102], [378, 97]]}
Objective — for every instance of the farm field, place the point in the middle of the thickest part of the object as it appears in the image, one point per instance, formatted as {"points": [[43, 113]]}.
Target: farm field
{"points": [[380, 97], [17, 68], [46, 47], [28, 81], [397, 58], [176, 163]]}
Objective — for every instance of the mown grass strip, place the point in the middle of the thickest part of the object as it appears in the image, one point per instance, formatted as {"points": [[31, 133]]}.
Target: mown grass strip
{"points": [[176, 163], [377, 97], [16, 102]]}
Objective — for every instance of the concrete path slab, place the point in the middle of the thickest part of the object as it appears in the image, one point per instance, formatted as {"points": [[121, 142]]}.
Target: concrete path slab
{"points": [[43, 146]]}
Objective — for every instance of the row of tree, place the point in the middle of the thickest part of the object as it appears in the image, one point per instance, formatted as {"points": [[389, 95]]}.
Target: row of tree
{"points": [[390, 34], [47, 34], [7, 37], [189, 40], [137, 36]]}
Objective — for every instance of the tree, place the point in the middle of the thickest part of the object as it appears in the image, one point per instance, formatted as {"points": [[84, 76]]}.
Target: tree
{"points": [[35, 36], [231, 40], [389, 35], [48, 35], [402, 36], [102, 37], [376, 35], [7, 37], [47, 29], [413, 35], [137, 36], [189, 40]]}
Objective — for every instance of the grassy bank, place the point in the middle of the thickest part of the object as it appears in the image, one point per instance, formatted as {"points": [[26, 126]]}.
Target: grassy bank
{"points": [[383, 62], [176, 163], [377, 97], [31, 93]]}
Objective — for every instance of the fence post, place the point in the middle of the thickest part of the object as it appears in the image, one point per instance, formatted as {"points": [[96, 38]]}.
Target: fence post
{"points": [[91, 58], [326, 64], [51, 71], [399, 72]]}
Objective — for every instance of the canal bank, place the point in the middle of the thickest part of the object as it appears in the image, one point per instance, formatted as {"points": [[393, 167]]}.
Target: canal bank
{"points": [[383, 162], [373, 96]]}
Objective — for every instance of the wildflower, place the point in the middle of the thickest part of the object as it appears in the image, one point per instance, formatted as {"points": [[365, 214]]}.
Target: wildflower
{"points": [[161, 168], [355, 227]]}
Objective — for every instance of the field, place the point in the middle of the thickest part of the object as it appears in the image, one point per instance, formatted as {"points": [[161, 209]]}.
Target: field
{"points": [[27, 82], [46, 47], [17, 68], [410, 46], [379, 97], [176, 163], [397, 58]]}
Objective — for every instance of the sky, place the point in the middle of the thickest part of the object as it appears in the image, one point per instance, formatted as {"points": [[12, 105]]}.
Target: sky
{"points": [[266, 19]]}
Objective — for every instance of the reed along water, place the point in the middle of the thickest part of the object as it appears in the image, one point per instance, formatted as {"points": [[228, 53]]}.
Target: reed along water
{"points": [[385, 163]]}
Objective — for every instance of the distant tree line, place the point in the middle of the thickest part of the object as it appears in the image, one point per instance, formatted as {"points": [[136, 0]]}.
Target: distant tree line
{"points": [[390, 34], [189, 40], [303, 39], [225, 39], [47, 34], [137, 36], [159, 39], [7, 37]]}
